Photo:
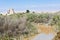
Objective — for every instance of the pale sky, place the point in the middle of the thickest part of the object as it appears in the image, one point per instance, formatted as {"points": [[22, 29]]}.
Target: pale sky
{"points": [[34, 5]]}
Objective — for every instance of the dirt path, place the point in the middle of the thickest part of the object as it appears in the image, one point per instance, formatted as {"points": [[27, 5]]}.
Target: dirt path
{"points": [[43, 36], [46, 33]]}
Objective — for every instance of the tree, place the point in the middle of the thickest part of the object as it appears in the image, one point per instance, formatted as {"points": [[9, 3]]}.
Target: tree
{"points": [[27, 11], [33, 12]]}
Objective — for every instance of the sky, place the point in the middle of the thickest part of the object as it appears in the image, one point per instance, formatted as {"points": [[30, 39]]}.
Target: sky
{"points": [[33, 5]]}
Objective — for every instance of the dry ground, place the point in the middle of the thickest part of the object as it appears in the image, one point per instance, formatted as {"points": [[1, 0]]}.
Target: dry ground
{"points": [[42, 28]]}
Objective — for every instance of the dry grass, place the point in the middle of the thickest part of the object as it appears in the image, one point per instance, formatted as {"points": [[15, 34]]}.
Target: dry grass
{"points": [[45, 28]]}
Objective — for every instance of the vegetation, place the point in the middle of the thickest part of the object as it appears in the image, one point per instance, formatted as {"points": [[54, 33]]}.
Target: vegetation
{"points": [[16, 25], [57, 37], [27, 11]]}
